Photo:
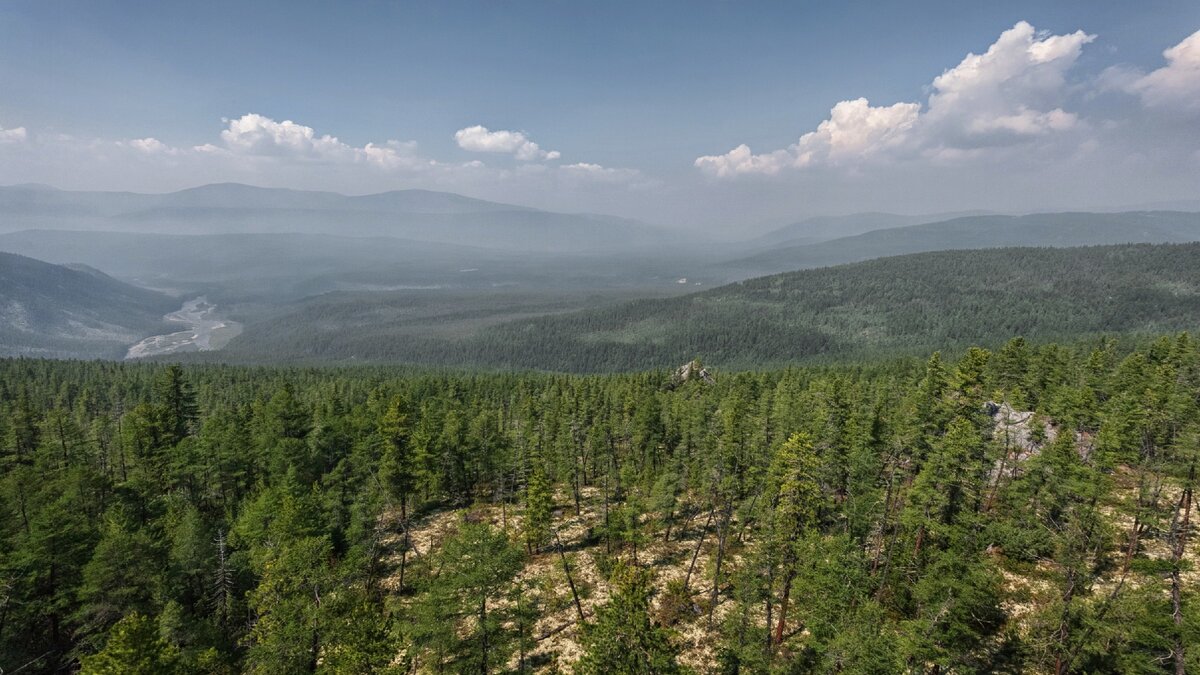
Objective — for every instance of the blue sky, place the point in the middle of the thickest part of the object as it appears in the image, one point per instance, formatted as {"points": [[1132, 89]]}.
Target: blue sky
{"points": [[628, 94]]}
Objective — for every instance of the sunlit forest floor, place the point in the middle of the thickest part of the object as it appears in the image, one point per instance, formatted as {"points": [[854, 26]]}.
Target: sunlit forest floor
{"points": [[688, 552], [557, 630]]}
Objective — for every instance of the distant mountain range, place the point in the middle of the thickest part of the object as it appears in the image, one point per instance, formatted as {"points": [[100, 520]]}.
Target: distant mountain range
{"points": [[274, 255], [823, 228], [69, 312], [273, 267], [972, 232], [231, 208]]}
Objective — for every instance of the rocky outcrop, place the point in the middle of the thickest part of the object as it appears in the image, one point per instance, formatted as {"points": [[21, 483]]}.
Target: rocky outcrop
{"points": [[1020, 431], [689, 370]]}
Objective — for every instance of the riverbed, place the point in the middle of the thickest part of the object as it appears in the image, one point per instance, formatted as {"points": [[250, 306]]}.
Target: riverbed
{"points": [[206, 330]]}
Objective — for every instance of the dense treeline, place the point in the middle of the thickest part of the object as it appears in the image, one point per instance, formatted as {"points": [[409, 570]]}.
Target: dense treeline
{"points": [[871, 518], [903, 305]]}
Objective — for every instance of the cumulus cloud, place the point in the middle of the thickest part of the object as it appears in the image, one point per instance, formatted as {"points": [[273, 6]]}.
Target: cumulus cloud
{"points": [[1012, 91], [597, 172], [255, 143], [255, 134], [15, 135], [480, 139], [151, 146], [855, 129], [1175, 85], [1010, 94], [393, 155], [260, 150]]}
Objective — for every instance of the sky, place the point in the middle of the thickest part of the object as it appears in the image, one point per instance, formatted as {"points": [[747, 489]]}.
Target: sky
{"points": [[719, 116]]}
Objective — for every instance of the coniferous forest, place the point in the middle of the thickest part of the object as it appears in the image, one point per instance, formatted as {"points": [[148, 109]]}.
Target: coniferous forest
{"points": [[1027, 509], [591, 338]]}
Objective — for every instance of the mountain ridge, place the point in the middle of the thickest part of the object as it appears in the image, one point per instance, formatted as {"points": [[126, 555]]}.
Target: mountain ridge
{"points": [[419, 214], [1077, 228], [889, 306], [65, 311]]}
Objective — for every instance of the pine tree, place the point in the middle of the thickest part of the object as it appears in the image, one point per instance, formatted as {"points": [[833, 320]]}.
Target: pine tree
{"points": [[396, 463], [793, 503], [458, 622], [539, 504], [622, 638], [133, 648], [175, 404]]}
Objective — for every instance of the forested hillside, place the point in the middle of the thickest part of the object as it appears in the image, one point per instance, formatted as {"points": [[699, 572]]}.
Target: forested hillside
{"points": [[278, 268], [824, 228], [908, 304], [1023, 510], [68, 311]]}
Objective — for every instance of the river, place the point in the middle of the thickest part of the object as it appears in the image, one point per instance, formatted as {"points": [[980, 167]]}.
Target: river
{"points": [[207, 330]]}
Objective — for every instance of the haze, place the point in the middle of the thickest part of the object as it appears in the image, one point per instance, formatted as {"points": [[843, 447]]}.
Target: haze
{"points": [[553, 336], [701, 117]]}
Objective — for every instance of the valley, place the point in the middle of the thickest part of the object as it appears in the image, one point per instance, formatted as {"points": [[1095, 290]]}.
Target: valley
{"points": [[446, 295], [206, 330], [894, 440], [599, 338], [886, 434]]}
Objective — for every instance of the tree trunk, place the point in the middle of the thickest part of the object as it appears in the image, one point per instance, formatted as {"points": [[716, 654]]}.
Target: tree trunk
{"points": [[920, 540], [1064, 630], [770, 607], [883, 524], [991, 500], [607, 541], [483, 664], [404, 544], [721, 536], [783, 606], [1179, 533], [567, 570], [742, 529], [575, 481], [314, 651], [696, 553], [520, 636]]}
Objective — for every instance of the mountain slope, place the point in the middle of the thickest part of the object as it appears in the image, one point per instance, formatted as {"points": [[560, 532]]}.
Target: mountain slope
{"points": [[67, 312], [272, 267], [907, 304], [822, 228], [234, 208], [970, 232]]}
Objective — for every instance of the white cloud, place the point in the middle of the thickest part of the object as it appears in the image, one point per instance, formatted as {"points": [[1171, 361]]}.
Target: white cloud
{"points": [[259, 150], [586, 167], [741, 160], [15, 135], [151, 146], [393, 155], [1177, 84], [596, 172], [254, 134], [1010, 94], [1025, 122], [257, 136], [855, 129], [480, 139]]}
